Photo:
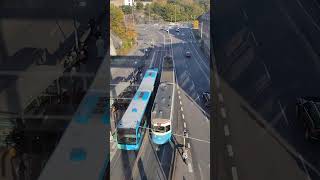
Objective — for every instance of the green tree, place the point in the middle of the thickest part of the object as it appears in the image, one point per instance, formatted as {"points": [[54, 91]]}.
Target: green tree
{"points": [[117, 20], [126, 9], [139, 5]]}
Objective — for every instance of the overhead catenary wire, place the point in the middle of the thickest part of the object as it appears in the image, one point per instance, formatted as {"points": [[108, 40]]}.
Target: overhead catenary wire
{"points": [[175, 134], [188, 137]]}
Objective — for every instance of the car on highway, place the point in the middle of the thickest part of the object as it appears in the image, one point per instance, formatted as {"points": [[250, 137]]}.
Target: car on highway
{"points": [[188, 54], [308, 111]]}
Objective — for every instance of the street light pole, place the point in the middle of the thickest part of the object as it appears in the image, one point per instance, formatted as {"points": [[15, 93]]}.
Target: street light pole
{"points": [[75, 25], [175, 14], [149, 13], [132, 13], [201, 29]]}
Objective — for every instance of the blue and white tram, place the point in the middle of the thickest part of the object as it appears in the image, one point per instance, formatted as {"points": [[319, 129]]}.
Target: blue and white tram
{"points": [[162, 110], [130, 127]]}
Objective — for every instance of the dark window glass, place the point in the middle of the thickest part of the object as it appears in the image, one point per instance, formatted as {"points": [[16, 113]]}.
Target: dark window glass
{"points": [[126, 136]]}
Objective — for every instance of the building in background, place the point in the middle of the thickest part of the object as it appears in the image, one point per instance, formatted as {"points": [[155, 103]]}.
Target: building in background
{"points": [[128, 2]]}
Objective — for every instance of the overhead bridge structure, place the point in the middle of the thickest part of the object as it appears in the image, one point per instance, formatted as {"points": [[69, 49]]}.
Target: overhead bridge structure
{"points": [[82, 152]]}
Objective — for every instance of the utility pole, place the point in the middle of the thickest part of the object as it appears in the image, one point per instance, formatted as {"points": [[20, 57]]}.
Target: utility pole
{"points": [[75, 25], [201, 29], [132, 13], [149, 13], [175, 14]]}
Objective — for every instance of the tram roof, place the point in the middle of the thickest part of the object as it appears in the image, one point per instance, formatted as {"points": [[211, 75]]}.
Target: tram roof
{"points": [[163, 102], [149, 79], [135, 110]]}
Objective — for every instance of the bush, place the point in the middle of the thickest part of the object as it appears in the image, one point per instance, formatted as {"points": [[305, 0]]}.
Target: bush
{"points": [[117, 25], [127, 9], [139, 6]]}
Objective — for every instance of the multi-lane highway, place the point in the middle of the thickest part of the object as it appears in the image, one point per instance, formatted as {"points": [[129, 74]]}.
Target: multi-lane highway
{"points": [[192, 75]]}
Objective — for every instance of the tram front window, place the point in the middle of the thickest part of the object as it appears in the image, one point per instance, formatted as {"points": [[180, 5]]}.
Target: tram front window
{"points": [[126, 136], [161, 129]]}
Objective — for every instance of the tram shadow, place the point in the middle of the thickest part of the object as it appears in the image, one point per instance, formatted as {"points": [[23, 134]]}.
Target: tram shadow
{"points": [[155, 163]]}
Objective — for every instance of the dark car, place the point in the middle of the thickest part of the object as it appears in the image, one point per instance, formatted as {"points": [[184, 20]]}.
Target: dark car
{"points": [[188, 54], [308, 110]]}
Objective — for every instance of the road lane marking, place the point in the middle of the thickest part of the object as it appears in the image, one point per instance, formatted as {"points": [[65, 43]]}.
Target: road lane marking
{"points": [[152, 60], [189, 146], [226, 130], [182, 116], [229, 149], [234, 173], [205, 75], [190, 167], [216, 76], [304, 167], [180, 97], [200, 171], [223, 112], [181, 108], [283, 113], [184, 125], [220, 97], [178, 91], [180, 102], [202, 60]]}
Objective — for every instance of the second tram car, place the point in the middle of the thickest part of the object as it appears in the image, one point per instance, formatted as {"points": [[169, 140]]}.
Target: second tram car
{"points": [[162, 110]]}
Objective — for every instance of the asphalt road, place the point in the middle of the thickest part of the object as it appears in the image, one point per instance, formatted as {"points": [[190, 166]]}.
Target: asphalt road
{"points": [[193, 75], [264, 51]]}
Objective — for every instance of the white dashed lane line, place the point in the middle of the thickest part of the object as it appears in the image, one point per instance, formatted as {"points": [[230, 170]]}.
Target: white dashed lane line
{"points": [[181, 108], [226, 130], [229, 149], [216, 76], [220, 97], [180, 103], [184, 125], [190, 167], [234, 173], [223, 112], [179, 97], [182, 116]]}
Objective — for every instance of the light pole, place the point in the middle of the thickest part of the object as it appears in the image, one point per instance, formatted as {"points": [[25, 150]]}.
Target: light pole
{"points": [[75, 24], [175, 14], [132, 13], [149, 13], [201, 27]]}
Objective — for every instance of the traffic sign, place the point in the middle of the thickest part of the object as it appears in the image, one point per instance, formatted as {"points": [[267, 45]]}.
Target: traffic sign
{"points": [[195, 24]]}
